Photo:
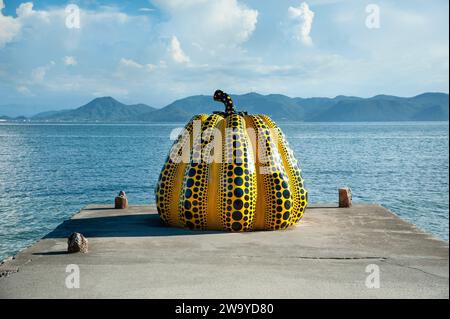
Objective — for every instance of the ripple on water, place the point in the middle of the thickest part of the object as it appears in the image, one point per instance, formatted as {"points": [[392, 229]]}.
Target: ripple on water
{"points": [[48, 172]]}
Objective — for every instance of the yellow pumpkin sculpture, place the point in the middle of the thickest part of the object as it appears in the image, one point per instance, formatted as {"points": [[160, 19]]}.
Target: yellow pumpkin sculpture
{"points": [[231, 171]]}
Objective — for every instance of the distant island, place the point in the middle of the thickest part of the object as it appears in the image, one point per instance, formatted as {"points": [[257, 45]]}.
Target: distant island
{"points": [[423, 107]]}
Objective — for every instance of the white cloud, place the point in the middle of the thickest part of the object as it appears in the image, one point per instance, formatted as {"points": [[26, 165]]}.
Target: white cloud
{"points": [[9, 27], [146, 9], [25, 9], [305, 17], [24, 90], [176, 52], [129, 63], [179, 4], [70, 60], [211, 24], [125, 54], [132, 73], [38, 74]]}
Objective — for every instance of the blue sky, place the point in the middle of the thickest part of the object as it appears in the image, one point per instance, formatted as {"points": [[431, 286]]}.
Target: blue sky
{"points": [[160, 50]]}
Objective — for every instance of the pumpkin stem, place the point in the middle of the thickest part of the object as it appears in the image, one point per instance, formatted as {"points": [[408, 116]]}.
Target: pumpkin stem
{"points": [[223, 97]]}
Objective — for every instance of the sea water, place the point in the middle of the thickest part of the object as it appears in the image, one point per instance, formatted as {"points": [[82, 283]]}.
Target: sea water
{"points": [[49, 171]]}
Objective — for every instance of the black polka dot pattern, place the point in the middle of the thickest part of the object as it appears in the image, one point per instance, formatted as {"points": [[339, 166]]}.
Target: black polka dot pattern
{"points": [[274, 184], [298, 192], [257, 186], [237, 184], [193, 203], [164, 188], [221, 96]]}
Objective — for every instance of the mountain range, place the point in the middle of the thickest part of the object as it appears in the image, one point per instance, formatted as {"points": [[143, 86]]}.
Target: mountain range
{"points": [[423, 107], [104, 109]]}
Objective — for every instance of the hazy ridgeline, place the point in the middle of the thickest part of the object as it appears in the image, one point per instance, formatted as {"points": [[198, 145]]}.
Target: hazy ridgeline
{"points": [[423, 107]]}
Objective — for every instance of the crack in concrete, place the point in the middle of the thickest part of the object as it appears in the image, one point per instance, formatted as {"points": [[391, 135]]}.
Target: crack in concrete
{"points": [[326, 258], [341, 258], [413, 268]]}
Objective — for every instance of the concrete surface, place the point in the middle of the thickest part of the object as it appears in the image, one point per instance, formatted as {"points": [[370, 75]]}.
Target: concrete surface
{"points": [[133, 256]]}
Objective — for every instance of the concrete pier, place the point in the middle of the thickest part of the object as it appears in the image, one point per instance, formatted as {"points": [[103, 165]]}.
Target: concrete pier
{"points": [[330, 254]]}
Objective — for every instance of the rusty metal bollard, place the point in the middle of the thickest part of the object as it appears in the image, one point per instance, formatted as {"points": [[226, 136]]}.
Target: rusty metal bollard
{"points": [[121, 201], [345, 197]]}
